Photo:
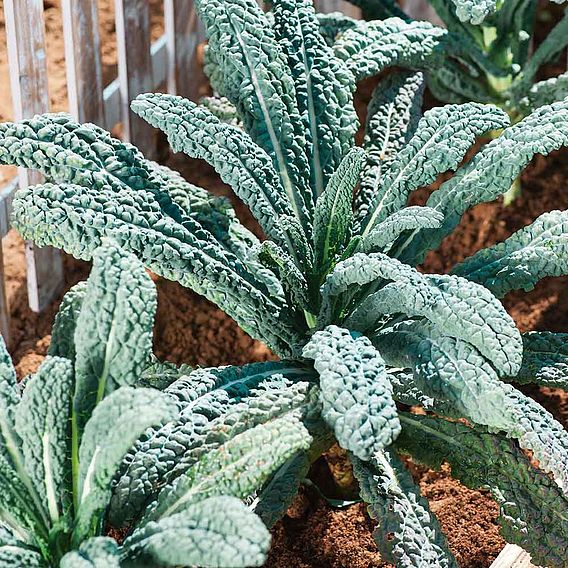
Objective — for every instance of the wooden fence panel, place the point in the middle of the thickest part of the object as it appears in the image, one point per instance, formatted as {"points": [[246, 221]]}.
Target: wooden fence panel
{"points": [[28, 72], [183, 35], [83, 60], [327, 6], [134, 70]]}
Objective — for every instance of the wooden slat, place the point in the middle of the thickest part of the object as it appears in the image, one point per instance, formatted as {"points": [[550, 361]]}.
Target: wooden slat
{"points": [[512, 556], [134, 70], [327, 6], [83, 60], [28, 75], [4, 308], [183, 33]]}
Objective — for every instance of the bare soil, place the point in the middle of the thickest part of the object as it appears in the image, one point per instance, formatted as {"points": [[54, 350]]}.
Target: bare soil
{"points": [[190, 329]]}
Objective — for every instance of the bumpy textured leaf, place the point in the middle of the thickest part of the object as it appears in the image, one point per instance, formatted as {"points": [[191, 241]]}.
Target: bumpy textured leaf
{"points": [[116, 423], [449, 83], [222, 108], [238, 160], [452, 304], [227, 471], [257, 81], [491, 172], [474, 11], [334, 214], [63, 331], [452, 371], [392, 117], [533, 510], [219, 531], [333, 24], [442, 138], [545, 93], [534, 252], [113, 334], [371, 47], [293, 281], [76, 219], [354, 391], [18, 495], [323, 87], [68, 152], [408, 534], [218, 405], [98, 552], [385, 233], [545, 359], [43, 422]]}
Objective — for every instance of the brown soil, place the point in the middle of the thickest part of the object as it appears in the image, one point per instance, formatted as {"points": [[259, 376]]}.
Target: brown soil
{"points": [[192, 330]]}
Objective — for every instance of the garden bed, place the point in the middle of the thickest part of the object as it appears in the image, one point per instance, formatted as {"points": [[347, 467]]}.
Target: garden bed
{"points": [[189, 329]]}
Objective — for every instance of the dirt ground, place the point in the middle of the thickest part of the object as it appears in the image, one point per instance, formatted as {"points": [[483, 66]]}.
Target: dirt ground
{"points": [[190, 329]]}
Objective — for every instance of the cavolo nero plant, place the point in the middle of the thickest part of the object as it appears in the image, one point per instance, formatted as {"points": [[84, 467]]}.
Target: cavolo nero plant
{"points": [[334, 288], [65, 434], [499, 68]]}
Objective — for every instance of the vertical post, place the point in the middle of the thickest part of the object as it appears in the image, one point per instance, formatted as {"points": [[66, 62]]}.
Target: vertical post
{"points": [[5, 204], [28, 75], [134, 70], [183, 33], [83, 60]]}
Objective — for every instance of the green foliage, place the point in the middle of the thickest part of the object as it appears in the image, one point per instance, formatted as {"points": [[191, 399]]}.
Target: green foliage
{"points": [[498, 66], [334, 288], [64, 440]]}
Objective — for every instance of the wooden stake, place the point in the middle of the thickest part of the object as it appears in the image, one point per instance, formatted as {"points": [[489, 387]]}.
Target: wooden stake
{"points": [[28, 74]]}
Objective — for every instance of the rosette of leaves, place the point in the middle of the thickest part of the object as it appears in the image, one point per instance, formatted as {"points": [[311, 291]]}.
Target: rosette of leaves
{"points": [[500, 67], [63, 438], [334, 289]]}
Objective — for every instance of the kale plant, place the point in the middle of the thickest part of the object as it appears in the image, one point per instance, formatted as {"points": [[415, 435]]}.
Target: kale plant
{"points": [[64, 437], [334, 288], [500, 67]]}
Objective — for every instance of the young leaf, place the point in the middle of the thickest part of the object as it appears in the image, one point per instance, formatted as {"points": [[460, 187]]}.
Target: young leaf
{"points": [[474, 11], [407, 534], [382, 237], [333, 214], [532, 253], [257, 81], [219, 531], [392, 117], [43, 422], [63, 331], [354, 391], [113, 335], [322, 86]]}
